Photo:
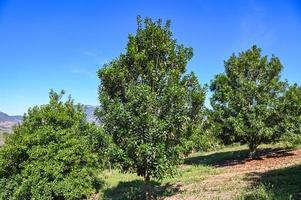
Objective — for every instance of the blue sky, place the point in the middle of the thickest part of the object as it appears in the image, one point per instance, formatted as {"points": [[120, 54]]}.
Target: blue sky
{"points": [[60, 44]]}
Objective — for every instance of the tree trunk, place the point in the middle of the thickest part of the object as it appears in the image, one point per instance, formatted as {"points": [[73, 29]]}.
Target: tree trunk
{"points": [[253, 149], [147, 188], [110, 167]]}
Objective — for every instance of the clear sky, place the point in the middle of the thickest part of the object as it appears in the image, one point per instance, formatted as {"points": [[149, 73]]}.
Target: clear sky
{"points": [[60, 44]]}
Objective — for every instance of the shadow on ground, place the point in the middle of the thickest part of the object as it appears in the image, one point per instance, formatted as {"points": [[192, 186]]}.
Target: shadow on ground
{"points": [[230, 158], [133, 190], [278, 184]]}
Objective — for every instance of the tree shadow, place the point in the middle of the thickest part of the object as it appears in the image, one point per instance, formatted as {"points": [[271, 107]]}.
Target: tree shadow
{"points": [[282, 183], [231, 158], [133, 190]]}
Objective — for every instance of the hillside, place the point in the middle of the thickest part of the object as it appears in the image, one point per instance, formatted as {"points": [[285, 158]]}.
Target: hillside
{"points": [[7, 122], [6, 117]]}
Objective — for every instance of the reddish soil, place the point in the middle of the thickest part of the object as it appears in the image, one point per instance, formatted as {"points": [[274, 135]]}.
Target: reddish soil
{"points": [[274, 160]]}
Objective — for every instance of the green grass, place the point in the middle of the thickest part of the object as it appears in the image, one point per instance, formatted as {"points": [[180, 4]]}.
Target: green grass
{"points": [[277, 184], [196, 168], [120, 185], [217, 157], [280, 184], [130, 186]]}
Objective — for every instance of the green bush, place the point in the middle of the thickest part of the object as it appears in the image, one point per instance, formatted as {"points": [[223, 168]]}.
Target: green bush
{"points": [[204, 139], [205, 142], [291, 113], [53, 154]]}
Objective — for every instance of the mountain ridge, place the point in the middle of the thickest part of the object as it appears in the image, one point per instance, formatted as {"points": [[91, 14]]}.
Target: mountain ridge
{"points": [[8, 121], [6, 117]]}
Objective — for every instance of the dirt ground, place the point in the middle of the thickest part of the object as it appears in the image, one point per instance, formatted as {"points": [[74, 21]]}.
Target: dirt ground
{"points": [[237, 175]]}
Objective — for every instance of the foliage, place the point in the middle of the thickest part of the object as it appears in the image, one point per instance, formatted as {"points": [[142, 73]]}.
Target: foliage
{"points": [[246, 99], [149, 106], [291, 111], [53, 154], [205, 139]]}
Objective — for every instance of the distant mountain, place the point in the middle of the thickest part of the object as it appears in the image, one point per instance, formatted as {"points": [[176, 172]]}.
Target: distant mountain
{"points": [[6, 117], [7, 122], [90, 117]]}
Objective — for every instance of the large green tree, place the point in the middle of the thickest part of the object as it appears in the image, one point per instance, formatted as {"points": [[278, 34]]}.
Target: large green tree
{"points": [[291, 112], [148, 104], [246, 99], [53, 154]]}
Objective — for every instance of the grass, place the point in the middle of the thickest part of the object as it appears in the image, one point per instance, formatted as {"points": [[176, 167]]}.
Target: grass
{"points": [[217, 157], [120, 185], [130, 186], [278, 184]]}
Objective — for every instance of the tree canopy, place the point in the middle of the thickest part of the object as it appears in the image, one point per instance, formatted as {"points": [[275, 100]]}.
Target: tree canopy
{"points": [[291, 113], [53, 154], [148, 104], [246, 99]]}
